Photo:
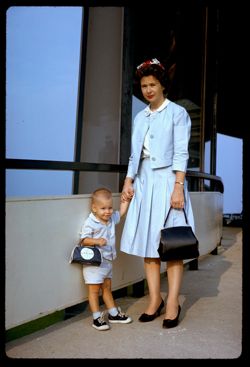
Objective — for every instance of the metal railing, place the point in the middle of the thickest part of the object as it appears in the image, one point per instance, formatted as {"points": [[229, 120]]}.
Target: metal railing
{"points": [[196, 180]]}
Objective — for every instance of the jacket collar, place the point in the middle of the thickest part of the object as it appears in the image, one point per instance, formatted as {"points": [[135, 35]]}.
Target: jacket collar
{"points": [[148, 112]]}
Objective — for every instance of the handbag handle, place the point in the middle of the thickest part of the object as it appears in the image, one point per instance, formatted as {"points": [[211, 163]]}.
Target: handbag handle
{"points": [[169, 213]]}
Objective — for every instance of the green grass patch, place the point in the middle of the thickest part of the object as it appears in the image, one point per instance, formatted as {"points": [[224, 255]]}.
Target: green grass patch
{"points": [[33, 326]]}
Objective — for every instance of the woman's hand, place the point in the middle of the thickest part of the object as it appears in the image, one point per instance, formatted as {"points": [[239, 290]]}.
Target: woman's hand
{"points": [[177, 197], [128, 190]]}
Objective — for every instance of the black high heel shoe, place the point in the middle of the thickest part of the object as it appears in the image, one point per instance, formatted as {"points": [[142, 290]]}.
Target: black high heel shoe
{"points": [[168, 323], [146, 317]]}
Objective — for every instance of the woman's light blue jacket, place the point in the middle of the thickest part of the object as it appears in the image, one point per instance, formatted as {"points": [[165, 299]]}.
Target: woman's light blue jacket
{"points": [[169, 134]]}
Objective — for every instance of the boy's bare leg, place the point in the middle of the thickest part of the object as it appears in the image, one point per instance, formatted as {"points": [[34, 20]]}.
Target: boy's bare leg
{"points": [[107, 294], [93, 295]]}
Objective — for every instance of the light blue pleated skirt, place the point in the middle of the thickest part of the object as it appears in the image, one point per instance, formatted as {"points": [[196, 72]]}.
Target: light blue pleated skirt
{"points": [[148, 209]]}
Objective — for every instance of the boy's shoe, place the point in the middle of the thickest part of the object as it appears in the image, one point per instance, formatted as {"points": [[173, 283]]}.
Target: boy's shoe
{"points": [[100, 323], [121, 318]]}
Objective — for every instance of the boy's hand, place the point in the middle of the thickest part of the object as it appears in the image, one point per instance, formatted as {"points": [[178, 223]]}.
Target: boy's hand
{"points": [[101, 241]]}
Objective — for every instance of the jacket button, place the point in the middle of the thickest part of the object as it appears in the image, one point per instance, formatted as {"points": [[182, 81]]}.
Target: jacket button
{"points": [[151, 136], [153, 159]]}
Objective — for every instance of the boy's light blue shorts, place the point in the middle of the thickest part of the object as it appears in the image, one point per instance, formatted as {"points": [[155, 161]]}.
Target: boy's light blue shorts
{"points": [[97, 274]]}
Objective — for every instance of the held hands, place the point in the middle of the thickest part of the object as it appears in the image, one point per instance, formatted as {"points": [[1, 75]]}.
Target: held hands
{"points": [[127, 191]]}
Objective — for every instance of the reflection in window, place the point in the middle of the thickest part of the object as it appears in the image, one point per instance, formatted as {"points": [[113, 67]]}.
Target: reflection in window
{"points": [[194, 112]]}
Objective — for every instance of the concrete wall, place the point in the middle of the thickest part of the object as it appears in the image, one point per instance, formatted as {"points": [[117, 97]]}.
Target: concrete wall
{"points": [[40, 234]]}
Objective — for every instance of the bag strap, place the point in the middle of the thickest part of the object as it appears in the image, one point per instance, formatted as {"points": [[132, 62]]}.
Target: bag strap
{"points": [[169, 213]]}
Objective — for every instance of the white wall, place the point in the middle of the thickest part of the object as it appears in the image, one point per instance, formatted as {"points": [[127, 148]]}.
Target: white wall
{"points": [[40, 234], [208, 214]]}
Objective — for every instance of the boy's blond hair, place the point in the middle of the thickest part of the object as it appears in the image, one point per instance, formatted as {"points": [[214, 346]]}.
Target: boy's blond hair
{"points": [[100, 194]]}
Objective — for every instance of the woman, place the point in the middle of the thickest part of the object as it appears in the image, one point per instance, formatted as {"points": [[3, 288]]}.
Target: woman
{"points": [[155, 181]]}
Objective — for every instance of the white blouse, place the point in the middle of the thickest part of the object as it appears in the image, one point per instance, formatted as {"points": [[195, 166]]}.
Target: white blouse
{"points": [[145, 149]]}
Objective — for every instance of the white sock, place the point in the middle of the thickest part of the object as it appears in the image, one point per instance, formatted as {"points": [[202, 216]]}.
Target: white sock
{"points": [[113, 311], [96, 315]]}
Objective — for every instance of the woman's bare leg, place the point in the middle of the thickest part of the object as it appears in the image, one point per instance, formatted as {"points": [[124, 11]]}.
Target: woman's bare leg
{"points": [[152, 271], [174, 272]]}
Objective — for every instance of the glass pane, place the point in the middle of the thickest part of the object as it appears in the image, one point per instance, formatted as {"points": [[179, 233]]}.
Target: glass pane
{"points": [[42, 64], [38, 183], [137, 106], [194, 143]]}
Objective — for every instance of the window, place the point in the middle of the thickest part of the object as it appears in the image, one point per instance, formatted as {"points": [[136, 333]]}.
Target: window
{"points": [[42, 67]]}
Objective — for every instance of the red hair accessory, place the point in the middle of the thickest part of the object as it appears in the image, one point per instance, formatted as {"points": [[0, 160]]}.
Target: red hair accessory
{"points": [[150, 62]]}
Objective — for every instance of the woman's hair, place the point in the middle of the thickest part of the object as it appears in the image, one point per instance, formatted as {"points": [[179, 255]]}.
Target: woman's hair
{"points": [[152, 67], [100, 194]]}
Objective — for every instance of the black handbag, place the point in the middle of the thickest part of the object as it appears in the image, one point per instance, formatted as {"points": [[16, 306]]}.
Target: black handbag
{"points": [[86, 255], [178, 243]]}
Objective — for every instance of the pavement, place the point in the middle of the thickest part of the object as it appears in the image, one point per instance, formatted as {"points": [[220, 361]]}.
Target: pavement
{"points": [[210, 324]]}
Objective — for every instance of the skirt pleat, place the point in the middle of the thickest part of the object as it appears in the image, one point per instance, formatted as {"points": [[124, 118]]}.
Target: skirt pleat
{"points": [[148, 209]]}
